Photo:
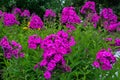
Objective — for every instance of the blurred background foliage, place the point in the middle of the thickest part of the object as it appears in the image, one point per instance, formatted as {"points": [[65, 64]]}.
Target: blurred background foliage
{"points": [[39, 6]]}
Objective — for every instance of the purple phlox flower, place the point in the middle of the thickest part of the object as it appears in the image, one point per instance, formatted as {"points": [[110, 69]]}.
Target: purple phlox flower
{"points": [[11, 48], [105, 24], [109, 19], [25, 13], [15, 44], [10, 19], [49, 13], [47, 74], [36, 22], [48, 41], [58, 57], [43, 63], [104, 59], [117, 42], [106, 13], [96, 64], [89, 6], [17, 11], [71, 26], [112, 27], [62, 34], [5, 43], [49, 53], [105, 64], [8, 55], [113, 19], [69, 16], [34, 41], [95, 18], [51, 65], [15, 53], [32, 46], [55, 46], [106, 67]]}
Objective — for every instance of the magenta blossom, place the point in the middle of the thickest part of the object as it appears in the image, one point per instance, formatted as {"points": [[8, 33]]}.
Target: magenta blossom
{"points": [[95, 19], [117, 42], [11, 49], [49, 13], [88, 7], [47, 75], [36, 22], [112, 27], [25, 13], [69, 17], [104, 59], [109, 19], [17, 11], [9, 19], [55, 46], [34, 41]]}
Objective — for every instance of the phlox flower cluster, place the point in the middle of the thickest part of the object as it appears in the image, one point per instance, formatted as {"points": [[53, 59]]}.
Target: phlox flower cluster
{"points": [[95, 19], [17, 11], [36, 22], [49, 13], [109, 19], [34, 41], [104, 59], [9, 19], [25, 13], [117, 42], [107, 13], [55, 46], [11, 48], [92, 18], [88, 7], [113, 27], [69, 17]]}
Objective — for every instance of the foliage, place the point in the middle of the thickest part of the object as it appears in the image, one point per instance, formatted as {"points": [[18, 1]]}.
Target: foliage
{"points": [[88, 39]]}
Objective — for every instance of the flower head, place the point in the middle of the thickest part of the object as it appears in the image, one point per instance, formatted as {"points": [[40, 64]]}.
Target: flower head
{"points": [[11, 49], [25, 13], [89, 6], [69, 17], [47, 75], [49, 13], [36, 22], [10, 19], [17, 11], [104, 59], [55, 46]]}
